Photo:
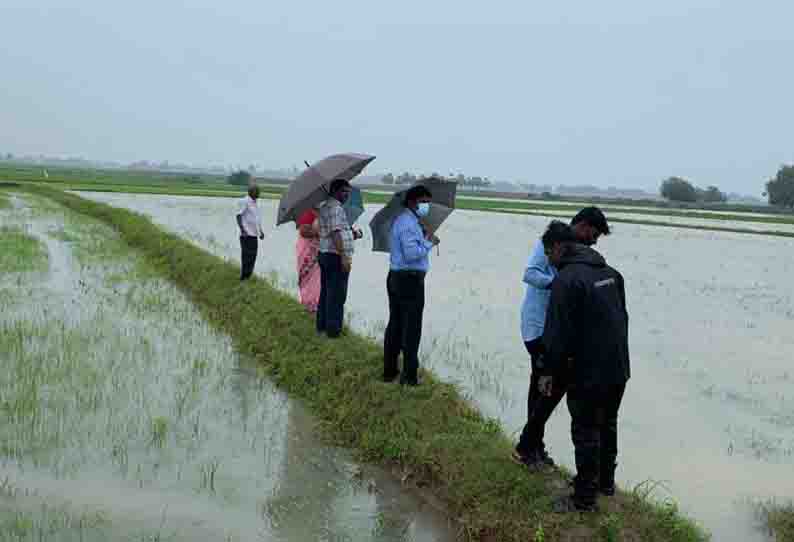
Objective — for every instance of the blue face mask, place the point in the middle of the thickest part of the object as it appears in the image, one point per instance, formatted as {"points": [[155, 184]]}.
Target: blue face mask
{"points": [[423, 209]]}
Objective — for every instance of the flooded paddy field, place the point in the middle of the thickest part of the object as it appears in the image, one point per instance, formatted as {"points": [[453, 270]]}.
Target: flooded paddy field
{"points": [[709, 412], [125, 416], [699, 221]]}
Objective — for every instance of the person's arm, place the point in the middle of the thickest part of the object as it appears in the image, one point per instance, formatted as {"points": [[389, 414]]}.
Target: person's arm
{"points": [[338, 226], [539, 273], [622, 291], [558, 331], [413, 244], [239, 217], [339, 244]]}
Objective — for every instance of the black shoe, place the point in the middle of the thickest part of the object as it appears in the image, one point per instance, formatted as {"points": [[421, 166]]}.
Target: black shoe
{"points": [[544, 456], [391, 377], [606, 491], [565, 505], [409, 382], [533, 460]]}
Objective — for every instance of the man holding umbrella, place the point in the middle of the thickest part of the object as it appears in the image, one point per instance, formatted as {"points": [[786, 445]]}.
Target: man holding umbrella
{"points": [[335, 258], [328, 182], [410, 247]]}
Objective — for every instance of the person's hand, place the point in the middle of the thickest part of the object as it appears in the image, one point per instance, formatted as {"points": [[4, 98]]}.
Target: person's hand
{"points": [[347, 264], [432, 238], [261, 236], [545, 385], [357, 233]]}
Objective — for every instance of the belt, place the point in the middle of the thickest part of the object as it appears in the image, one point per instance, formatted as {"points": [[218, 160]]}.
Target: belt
{"points": [[410, 273]]}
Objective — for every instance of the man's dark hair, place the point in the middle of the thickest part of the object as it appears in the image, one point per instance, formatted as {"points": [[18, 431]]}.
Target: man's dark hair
{"points": [[592, 216], [337, 185], [416, 192], [558, 232]]}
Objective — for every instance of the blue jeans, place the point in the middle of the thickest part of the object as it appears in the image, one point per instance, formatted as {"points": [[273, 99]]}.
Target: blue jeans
{"points": [[333, 294]]}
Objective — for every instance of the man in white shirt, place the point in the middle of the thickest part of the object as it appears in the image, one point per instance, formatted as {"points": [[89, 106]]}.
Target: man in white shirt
{"points": [[249, 221]]}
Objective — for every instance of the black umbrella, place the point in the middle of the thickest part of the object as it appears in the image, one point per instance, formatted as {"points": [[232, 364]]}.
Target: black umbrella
{"points": [[443, 204]]}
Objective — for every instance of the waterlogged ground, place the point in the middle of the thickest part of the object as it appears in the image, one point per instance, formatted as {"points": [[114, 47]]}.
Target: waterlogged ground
{"points": [[716, 223], [126, 417], [709, 413]]}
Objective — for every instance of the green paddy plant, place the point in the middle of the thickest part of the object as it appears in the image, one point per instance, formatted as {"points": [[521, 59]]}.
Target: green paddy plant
{"points": [[21, 251], [159, 431]]}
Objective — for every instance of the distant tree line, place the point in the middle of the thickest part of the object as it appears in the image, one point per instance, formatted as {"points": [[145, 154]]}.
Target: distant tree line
{"points": [[239, 178], [780, 190], [465, 182], [679, 189]]}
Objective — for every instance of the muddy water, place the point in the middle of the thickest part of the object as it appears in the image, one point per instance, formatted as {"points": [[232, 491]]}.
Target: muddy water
{"points": [[127, 417], [709, 412]]}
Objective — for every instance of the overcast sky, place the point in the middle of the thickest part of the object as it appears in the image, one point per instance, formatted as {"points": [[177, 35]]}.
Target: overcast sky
{"points": [[609, 93]]}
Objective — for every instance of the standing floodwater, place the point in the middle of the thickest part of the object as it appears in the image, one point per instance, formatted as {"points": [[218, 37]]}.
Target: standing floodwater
{"points": [[126, 417], [707, 413]]}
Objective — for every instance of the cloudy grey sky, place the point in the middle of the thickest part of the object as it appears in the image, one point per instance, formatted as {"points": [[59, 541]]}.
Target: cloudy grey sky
{"points": [[618, 92]]}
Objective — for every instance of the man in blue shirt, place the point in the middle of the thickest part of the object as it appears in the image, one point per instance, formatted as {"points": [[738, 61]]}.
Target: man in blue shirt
{"points": [[410, 248], [587, 226]]}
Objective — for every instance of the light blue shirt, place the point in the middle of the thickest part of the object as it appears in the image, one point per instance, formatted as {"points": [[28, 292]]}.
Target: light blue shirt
{"points": [[409, 249], [538, 277]]}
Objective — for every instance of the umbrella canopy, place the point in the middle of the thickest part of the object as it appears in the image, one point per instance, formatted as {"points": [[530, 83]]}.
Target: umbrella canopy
{"points": [[311, 186], [442, 206], [354, 206]]}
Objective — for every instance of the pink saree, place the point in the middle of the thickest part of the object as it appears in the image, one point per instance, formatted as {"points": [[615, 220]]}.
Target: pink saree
{"points": [[308, 270]]}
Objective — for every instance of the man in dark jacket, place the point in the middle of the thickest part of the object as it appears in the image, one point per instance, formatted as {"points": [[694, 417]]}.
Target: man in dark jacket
{"points": [[587, 323]]}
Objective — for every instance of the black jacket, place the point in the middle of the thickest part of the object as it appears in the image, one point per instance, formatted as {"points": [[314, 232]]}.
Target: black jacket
{"points": [[587, 321]]}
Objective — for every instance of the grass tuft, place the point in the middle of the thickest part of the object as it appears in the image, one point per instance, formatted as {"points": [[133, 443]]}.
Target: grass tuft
{"points": [[778, 518], [21, 252]]}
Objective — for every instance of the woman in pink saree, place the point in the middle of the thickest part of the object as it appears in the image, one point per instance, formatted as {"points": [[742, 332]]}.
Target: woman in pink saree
{"points": [[307, 247]]}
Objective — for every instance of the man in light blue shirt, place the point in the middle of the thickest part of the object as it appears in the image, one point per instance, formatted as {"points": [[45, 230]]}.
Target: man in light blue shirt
{"points": [[410, 248], [586, 227]]}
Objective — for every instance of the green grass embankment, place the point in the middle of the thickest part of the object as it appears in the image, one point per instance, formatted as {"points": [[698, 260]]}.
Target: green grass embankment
{"points": [[429, 436]]}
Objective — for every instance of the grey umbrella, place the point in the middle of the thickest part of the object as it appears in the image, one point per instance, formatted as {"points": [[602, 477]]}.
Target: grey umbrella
{"points": [[442, 206], [311, 186]]}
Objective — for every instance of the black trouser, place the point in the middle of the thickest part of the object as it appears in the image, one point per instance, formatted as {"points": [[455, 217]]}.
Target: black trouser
{"points": [[248, 247], [594, 431], [333, 294], [406, 291], [539, 406]]}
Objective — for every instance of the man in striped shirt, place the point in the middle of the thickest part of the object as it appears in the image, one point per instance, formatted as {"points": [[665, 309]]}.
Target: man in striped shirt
{"points": [[410, 248], [335, 258]]}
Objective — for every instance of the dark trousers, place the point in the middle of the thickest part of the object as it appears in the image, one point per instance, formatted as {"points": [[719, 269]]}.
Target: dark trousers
{"points": [[539, 406], [594, 431], [248, 247], [406, 291], [333, 294]]}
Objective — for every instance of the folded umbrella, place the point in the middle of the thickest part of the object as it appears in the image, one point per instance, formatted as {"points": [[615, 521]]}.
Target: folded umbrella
{"points": [[311, 187], [443, 204]]}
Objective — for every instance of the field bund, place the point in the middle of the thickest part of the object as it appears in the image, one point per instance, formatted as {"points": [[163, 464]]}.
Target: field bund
{"points": [[429, 436]]}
